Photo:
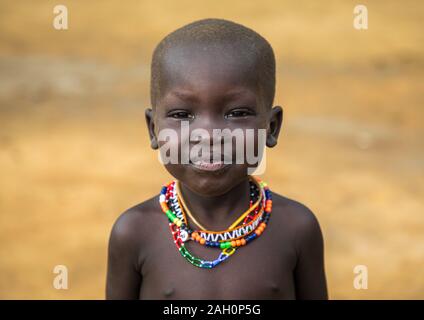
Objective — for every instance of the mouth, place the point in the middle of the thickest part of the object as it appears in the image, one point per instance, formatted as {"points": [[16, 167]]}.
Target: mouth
{"points": [[205, 166]]}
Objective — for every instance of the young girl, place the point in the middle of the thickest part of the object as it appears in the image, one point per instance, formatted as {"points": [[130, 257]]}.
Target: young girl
{"points": [[215, 231]]}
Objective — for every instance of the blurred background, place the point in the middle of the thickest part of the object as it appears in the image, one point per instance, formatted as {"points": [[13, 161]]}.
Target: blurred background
{"points": [[75, 152]]}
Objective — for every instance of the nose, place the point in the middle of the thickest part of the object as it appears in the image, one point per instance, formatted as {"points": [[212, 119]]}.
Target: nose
{"points": [[204, 129], [205, 137]]}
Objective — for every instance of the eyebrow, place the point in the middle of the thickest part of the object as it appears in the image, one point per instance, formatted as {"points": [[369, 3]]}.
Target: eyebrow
{"points": [[187, 96], [234, 94]]}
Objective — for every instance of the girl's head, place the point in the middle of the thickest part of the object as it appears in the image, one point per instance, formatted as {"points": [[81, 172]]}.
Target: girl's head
{"points": [[212, 76]]}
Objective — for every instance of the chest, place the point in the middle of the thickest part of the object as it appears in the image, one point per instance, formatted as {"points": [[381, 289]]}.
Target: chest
{"points": [[260, 270]]}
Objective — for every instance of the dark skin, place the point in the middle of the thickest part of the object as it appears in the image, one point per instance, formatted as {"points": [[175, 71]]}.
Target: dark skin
{"points": [[285, 262]]}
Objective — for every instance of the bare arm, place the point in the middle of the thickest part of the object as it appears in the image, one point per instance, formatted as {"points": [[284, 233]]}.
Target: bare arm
{"points": [[310, 277], [123, 277]]}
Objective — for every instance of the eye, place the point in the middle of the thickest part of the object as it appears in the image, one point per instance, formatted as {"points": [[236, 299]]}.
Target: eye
{"points": [[180, 114], [239, 113]]}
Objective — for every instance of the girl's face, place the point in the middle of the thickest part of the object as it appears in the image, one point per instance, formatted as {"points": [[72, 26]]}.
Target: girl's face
{"points": [[208, 91]]}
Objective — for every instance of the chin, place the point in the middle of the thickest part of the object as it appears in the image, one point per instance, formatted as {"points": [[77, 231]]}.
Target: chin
{"points": [[209, 183]]}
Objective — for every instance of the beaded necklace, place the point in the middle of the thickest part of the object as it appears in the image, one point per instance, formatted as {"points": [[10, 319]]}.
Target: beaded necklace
{"points": [[185, 231], [174, 199], [252, 208], [181, 232], [214, 238]]}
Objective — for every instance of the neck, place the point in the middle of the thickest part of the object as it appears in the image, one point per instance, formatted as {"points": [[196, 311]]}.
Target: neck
{"points": [[217, 212]]}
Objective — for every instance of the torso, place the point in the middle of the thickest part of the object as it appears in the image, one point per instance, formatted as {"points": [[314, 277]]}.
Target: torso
{"points": [[261, 270]]}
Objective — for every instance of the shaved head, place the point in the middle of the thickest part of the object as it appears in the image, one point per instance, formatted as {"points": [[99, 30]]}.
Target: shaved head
{"points": [[226, 44]]}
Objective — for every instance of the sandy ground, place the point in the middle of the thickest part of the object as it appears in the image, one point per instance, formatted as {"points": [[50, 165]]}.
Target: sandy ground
{"points": [[75, 154]]}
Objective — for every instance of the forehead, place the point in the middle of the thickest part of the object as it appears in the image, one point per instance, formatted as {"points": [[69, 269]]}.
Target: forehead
{"points": [[214, 68]]}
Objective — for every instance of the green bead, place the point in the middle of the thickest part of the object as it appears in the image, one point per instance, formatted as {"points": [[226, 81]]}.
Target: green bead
{"points": [[188, 255], [190, 258], [170, 215], [197, 262], [224, 245]]}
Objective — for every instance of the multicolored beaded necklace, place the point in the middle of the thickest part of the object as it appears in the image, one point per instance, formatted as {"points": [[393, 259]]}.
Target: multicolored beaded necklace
{"points": [[233, 232], [254, 190], [255, 220]]}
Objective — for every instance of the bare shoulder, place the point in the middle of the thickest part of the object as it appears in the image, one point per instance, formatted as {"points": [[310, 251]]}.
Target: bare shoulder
{"points": [[295, 218], [126, 251], [135, 224], [286, 208]]}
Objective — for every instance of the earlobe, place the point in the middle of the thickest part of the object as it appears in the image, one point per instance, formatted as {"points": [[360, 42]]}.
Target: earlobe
{"points": [[151, 128], [275, 123]]}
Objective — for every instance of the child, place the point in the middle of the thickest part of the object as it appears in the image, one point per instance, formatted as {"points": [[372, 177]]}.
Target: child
{"points": [[216, 232]]}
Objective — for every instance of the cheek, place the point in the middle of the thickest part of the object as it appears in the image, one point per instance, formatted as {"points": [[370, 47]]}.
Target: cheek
{"points": [[255, 140], [250, 145], [168, 136]]}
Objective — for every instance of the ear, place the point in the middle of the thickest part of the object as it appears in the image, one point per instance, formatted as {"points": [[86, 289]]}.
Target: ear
{"points": [[275, 123], [151, 128]]}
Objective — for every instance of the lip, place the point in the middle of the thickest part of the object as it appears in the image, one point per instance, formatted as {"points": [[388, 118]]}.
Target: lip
{"points": [[204, 166]]}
